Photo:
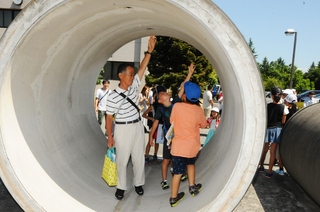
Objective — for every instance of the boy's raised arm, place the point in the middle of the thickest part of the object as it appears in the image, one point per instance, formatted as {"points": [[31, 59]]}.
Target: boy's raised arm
{"points": [[190, 72]]}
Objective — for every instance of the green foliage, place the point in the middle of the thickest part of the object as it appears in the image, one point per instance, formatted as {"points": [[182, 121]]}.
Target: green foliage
{"points": [[301, 83], [100, 77], [169, 65], [314, 75], [253, 50], [271, 82], [277, 73], [171, 57]]}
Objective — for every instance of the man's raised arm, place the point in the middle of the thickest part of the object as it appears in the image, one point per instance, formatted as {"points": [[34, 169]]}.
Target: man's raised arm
{"points": [[145, 61]]}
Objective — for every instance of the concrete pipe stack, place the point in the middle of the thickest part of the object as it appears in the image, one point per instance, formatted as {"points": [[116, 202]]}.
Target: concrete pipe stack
{"points": [[51, 146], [300, 149]]}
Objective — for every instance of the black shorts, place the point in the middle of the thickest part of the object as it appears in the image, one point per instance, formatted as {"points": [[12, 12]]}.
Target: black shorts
{"points": [[179, 164], [166, 151]]}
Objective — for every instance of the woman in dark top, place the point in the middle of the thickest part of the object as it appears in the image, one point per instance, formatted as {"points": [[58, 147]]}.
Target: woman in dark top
{"points": [[276, 117]]}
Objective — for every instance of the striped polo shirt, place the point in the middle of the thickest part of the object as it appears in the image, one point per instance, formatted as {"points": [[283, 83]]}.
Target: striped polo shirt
{"points": [[127, 112]]}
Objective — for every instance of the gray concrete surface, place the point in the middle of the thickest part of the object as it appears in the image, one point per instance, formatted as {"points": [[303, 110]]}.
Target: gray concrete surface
{"points": [[47, 76], [279, 193], [300, 146]]}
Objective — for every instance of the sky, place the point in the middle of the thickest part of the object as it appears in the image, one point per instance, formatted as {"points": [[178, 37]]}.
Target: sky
{"points": [[265, 21]]}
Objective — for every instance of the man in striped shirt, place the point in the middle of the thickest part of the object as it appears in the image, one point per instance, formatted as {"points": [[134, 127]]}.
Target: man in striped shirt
{"points": [[128, 136]]}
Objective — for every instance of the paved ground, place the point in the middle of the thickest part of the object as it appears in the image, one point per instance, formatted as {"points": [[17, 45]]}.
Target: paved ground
{"points": [[7, 203], [279, 193]]}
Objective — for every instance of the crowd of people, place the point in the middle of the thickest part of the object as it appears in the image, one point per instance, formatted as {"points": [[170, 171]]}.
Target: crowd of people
{"points": [[151, 111], [125, 109]]}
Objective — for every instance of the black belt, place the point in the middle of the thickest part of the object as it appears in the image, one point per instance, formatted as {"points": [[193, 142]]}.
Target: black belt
{"points": [[128, 122]]}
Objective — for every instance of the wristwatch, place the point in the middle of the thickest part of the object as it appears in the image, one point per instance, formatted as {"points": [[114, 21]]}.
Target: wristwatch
{"points": [[17, 2], [146, 52]]}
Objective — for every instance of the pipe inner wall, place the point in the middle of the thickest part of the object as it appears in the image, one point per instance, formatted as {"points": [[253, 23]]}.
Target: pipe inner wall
{"points": [[51, 145]]}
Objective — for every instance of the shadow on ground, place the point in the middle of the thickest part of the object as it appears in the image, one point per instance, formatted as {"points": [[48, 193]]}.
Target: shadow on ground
{"points": [[282, 193], [7, 203]]}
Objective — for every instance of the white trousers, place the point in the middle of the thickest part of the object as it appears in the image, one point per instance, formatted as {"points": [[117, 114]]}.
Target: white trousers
{"points": [[129, 141]]}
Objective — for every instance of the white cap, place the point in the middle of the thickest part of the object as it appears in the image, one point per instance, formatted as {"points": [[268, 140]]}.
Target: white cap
{"points": [[287, 91], [291, 98], [215, 109]]}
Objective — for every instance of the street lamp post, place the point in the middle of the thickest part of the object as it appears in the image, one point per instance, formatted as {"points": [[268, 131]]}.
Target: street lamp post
{"points": [[291, 32]]}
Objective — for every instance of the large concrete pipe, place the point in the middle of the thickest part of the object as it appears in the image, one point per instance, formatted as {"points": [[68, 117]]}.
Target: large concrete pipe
{"points": [[300, 148], [52, 148]]}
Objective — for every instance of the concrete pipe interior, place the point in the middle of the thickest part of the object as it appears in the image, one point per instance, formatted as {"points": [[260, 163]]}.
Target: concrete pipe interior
{"points": [[52, 148]]}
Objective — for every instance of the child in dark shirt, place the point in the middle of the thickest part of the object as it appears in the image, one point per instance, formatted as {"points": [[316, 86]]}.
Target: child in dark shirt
{"points": [[276, 117]]}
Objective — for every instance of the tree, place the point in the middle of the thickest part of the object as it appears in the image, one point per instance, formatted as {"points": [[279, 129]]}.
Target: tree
{"points": [[171, 58], [264, 68], [271, 82], [253, 50], [301, 84], [313, 75], [169, 65]]}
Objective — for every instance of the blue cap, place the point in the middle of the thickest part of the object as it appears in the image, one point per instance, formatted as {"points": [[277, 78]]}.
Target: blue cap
{"points": [[192, 91]]}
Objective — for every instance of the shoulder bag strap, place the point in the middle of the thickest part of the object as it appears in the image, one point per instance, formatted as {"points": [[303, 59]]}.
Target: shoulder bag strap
{"points": [[120, 104], [129, 100], [103, 96]]}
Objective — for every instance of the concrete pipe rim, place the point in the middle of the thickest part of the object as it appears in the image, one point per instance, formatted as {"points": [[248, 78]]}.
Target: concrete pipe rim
{"points": [[43, 57]]}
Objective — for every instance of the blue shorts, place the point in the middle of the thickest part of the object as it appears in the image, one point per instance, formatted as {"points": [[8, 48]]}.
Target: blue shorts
{"points": [[273, 135], [179, 164]]}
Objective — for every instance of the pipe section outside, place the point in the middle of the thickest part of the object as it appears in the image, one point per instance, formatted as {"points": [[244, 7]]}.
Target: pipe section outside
{"points": [[51, 146]]}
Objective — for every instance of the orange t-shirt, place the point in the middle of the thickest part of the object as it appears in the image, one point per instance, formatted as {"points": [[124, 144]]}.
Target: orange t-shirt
{"points": [[187, 120]]}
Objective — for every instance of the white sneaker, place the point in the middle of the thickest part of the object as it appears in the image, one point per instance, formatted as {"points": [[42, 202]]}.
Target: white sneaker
{"points": [[280, 172]]}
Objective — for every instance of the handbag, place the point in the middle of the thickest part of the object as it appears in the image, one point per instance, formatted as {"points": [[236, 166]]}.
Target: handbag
{"points": [[109, 170], [170, 134], [160, 134]]}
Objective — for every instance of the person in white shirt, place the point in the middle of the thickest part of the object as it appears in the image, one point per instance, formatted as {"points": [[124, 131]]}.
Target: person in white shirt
{"points": [[207, 101], [101, 100], [128, 136], [311, 100]]}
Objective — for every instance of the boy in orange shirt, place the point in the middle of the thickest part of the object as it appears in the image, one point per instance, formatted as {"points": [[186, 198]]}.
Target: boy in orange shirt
{"points": [[187, 117], [164, 114]]}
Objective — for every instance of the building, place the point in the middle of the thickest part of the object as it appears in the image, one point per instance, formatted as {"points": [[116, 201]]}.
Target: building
{"points": [[9, 9]]}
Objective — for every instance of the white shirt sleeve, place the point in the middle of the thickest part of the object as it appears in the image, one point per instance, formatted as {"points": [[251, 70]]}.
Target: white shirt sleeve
{"points": [[285, 111]]}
